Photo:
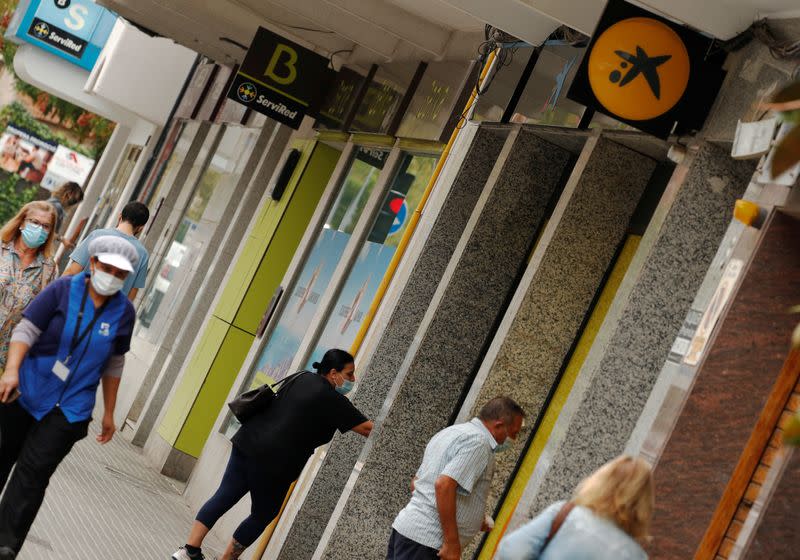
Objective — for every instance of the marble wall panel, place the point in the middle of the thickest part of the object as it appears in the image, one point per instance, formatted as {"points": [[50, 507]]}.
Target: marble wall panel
{"points": [[618, 377], [729, 393], [379, 373], [565, 275], [447, 347]]}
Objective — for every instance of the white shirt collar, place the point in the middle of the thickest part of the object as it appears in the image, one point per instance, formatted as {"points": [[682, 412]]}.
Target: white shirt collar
{"points": [[478, 422]]}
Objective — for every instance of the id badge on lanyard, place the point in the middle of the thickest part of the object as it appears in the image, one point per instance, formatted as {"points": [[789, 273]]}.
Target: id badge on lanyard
{"points": [[62, 369]]}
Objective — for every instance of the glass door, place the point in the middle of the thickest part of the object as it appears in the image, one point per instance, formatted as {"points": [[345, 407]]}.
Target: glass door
{"points": [[202, 217], [362, 282]]}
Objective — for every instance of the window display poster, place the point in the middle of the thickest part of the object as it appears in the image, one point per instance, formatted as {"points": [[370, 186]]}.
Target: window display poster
{"points": [[355, 299], [67, 165], [277, 356], [25, 154]]}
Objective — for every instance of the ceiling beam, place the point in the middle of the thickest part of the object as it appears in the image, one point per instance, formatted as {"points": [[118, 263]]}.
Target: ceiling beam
{"points": [[329, 18], [403, 25], [512, 16]]}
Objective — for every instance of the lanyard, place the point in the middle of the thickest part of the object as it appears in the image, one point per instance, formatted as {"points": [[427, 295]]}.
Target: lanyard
{"points": [[76, 340]]}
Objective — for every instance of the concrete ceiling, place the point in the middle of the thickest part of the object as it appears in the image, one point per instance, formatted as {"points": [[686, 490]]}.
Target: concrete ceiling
{"points": [[366, 31]]}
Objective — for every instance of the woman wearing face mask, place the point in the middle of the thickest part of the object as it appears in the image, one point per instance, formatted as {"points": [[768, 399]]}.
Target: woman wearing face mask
{"points": [[65, 197], [272, 447], [72, 336], [26, 265]]}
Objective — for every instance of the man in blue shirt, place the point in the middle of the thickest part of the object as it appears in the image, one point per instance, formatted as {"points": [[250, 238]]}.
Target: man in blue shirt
{"points": [[131, 223]]}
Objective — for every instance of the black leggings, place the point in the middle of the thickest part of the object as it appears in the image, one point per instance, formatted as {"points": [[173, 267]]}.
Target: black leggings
{"points": [[243, 475]]}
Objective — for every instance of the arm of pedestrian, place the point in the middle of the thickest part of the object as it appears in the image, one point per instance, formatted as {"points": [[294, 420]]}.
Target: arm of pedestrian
{"points": [[413, 483], [364, 429], [132, 293], [446, 488], [73, 269], [528, 541], [110, 388], [24, 335]]}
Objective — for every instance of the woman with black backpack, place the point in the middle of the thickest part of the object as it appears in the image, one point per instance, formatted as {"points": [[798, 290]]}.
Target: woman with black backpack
{"points": [[272, 447]]}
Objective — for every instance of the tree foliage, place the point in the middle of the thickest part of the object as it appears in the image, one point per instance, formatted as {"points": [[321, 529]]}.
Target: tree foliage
{"points": [[91, 129]]}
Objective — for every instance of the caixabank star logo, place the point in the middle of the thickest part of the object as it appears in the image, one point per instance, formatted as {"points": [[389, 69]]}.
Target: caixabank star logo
{"points": [[643, 70]]}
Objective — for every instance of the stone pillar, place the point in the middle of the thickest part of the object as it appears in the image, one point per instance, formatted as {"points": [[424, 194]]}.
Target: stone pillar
{"points": [[449, 343], [566, 271], [379, 372], [622, 367]]}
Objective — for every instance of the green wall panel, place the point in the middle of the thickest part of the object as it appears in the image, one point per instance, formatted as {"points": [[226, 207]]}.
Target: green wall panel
{"points": [[286, 237], [182, 401], [267, 218], [230, 332], [214, 391]]}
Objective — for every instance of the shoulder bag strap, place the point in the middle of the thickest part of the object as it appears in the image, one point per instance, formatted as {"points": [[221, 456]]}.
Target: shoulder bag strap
{"points": [[558, 521], [285, 381]]}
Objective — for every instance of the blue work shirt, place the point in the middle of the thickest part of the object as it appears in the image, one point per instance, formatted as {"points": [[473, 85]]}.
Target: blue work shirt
{"points": [[135, 279], [55, 311], [583, 534]]}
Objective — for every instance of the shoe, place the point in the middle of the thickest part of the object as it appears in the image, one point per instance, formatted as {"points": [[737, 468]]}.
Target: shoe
{"points": [[180, 554], [7, 553]]}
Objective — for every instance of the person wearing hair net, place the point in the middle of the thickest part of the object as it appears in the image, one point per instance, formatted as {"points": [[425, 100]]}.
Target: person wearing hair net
{"points": [[72, 337]]}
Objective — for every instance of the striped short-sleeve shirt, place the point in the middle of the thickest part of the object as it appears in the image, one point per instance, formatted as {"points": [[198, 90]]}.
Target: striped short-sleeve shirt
{"points": [[465, 453]]}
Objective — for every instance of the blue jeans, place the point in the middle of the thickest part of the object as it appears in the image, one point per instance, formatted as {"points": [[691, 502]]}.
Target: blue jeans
{"points": [[242, 475]]}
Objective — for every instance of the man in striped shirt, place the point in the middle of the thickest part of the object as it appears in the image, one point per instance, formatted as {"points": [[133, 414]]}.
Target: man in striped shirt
{"points": [[450, 489]]}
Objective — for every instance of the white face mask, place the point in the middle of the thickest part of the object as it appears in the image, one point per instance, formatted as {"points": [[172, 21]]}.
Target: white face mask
{"points": [[106, 284]]}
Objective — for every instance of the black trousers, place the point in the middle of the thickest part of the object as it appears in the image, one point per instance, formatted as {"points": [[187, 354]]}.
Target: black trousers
{"points": [[34, 450], [403, 548], [267, 492]]}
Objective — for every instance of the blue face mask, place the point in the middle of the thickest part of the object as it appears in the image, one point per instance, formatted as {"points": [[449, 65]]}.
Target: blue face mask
{"points": [[33, 236], [505, 446], [345, 387]]}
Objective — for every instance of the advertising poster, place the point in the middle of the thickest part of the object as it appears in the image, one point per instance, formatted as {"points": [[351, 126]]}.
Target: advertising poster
{"points": [[67, 165], [277, 356], [25, 154]]}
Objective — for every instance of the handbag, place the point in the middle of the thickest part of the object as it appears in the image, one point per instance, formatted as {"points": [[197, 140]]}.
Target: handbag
{"points": [[251, 402]]}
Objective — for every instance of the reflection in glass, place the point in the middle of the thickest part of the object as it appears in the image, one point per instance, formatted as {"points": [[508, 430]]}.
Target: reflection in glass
{"points": [[175, 161], [202, 217], [544, 100], [362, 282], [276, 357]]}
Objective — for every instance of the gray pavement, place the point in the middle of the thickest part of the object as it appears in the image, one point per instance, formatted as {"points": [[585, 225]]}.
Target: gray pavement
{"points": [[105, 503]]}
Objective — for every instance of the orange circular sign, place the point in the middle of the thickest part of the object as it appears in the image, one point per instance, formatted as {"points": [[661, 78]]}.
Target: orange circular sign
{"points": [[638, 68]]}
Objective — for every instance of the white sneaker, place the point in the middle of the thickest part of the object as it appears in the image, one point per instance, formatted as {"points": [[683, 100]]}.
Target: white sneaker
{"points": [[182, 554]]}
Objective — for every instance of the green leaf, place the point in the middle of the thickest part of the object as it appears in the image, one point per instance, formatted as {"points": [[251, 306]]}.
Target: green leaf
{"points": [[787, 153]]}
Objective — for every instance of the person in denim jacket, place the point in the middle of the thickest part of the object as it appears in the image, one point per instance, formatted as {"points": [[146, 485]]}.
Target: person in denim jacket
{"points": [[609, 516]]}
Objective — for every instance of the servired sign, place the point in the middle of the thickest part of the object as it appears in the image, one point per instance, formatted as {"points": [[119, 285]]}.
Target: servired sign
{"points": [[280, 79]]}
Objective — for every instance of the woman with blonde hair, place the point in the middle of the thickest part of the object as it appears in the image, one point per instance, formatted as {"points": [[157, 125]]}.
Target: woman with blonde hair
{"points": [[26, 264], [607, 518]]}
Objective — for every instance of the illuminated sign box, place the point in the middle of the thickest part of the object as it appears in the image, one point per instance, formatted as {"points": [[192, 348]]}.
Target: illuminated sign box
{"points": [[75, 30], [648, 72], [281, 79]]}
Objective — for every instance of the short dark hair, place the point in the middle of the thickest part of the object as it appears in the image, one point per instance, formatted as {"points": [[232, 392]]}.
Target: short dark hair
{"points": [[136, 214], [69, 193], [501, 408], [333, 359]]}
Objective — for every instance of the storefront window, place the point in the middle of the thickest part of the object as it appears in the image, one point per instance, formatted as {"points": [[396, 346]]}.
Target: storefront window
{"points": [[276, 357], [176, 159], [202, 217], [497, 93], [362, 282], [114, 190], [544, 100]]}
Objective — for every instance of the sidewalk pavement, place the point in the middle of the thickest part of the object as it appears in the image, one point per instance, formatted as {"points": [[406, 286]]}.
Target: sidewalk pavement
{"points": [[106, 503]]}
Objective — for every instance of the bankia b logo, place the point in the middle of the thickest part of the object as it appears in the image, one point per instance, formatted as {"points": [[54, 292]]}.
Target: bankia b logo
{"points": [[246, 92], [639, 68]]}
